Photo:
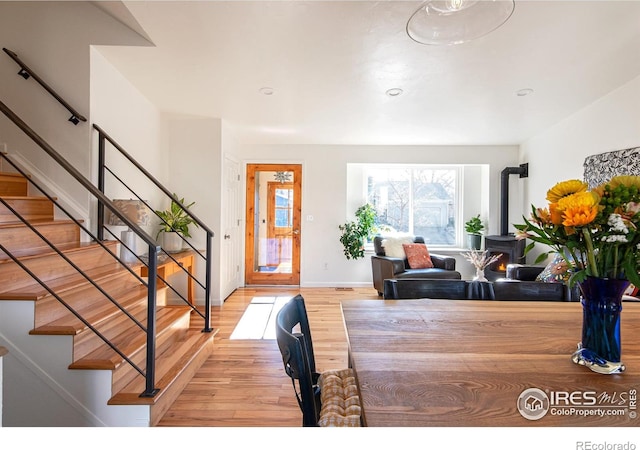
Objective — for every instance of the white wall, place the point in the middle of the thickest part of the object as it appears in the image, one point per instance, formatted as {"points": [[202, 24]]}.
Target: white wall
{"points": [[324, 188], [38, 33], [195, 173], [558, 153], [135, 124]]}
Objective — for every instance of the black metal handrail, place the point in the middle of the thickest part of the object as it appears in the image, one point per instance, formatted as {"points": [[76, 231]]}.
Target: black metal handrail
{"points": [[103, 138], [26, 72], [149, 372]]}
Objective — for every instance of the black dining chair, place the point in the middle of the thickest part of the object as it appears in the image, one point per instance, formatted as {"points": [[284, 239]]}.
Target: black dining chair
{"points": [[339, 403], [294, 340]]}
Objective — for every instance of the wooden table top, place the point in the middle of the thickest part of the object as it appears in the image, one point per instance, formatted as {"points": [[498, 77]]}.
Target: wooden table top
{"points": [[468, 363]]}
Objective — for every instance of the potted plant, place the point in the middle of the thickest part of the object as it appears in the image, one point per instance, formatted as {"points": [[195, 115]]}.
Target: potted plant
{"points": [[356, 233], [175, 223], [474, 228]]}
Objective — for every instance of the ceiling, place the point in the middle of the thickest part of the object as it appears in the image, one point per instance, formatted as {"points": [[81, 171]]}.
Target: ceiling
{"points": [[329, 64]]}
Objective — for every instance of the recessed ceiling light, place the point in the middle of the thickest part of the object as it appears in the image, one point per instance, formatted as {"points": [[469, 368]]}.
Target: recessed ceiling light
{"points": [[394, 92], [524, 92], [266, 91]]}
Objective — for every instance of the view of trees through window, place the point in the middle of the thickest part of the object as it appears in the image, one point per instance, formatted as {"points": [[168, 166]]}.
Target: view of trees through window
{"points": [[418, 200]]}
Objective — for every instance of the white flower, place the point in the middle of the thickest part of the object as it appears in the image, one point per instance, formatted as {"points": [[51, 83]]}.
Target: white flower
{"points": [[615, 238], [617, 224]]}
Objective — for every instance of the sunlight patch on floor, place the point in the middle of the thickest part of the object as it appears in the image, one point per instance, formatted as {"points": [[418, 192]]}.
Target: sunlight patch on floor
{"points": [[259, 319]]}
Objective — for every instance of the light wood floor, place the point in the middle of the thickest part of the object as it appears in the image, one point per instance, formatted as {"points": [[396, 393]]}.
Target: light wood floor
{"points": [[243, 383]]}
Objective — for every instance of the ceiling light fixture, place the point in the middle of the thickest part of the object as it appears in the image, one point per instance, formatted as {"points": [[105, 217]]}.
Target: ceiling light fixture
{"points": [[266, 91], [452, 22], [524, 92], [394, 92]]}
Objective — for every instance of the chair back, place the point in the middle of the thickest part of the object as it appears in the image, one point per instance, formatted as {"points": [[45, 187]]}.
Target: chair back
{"points": [[296, 347]]}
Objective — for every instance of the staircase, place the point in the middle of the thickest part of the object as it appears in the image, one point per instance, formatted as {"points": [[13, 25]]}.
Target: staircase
{"points": [[181, 346]]}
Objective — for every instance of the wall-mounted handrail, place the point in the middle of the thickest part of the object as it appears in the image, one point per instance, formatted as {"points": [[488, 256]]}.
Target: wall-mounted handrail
{"points": [[26, 72], [76, 174]]}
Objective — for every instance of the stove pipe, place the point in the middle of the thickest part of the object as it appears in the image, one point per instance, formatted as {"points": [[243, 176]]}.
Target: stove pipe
{"points": [[523, 171]]}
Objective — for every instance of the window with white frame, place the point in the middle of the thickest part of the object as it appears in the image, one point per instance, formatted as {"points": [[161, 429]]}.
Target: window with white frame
{"points": [[423, 200]]}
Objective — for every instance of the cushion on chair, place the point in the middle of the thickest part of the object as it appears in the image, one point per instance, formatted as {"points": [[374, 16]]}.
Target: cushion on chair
{"points": [[418, 256], [393, 245], [339, 399]]}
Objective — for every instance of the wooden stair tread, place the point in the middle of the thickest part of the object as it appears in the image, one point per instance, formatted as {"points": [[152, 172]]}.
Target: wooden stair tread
{"points": [[28, 197], [130, 341], [63, 284], [179, 357], [38, 222], [65, 248]]}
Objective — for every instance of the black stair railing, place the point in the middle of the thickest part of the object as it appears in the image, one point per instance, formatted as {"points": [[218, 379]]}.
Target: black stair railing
{"points": [[62, 255], [153, 248], [26, 72], [104, 169]]}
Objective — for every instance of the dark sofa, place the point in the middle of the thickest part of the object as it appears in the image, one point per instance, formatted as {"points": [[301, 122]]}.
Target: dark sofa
{"points": [[411, 288], [385, 267]]}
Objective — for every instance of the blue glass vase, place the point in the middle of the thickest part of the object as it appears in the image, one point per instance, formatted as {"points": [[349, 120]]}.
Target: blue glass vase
{"points": [[600, 348]]}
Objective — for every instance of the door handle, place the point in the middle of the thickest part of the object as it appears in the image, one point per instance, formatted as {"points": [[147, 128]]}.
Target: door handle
{"points": [[227, 236]]}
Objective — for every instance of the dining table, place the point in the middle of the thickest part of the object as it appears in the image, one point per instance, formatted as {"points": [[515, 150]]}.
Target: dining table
{"points": [[485, 363]]}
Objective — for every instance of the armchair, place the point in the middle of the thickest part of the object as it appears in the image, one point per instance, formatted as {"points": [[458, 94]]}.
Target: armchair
{"points": [[386, 267]]}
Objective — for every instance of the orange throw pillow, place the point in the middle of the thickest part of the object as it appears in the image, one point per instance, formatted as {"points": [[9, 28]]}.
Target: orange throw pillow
{"points": [[418, 256]]}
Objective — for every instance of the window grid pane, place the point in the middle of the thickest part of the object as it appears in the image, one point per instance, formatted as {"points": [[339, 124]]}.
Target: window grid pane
{"points": [[416, 200]]}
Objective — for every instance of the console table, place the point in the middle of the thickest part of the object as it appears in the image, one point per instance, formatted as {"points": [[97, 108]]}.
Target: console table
{"points": [[168, 266]]}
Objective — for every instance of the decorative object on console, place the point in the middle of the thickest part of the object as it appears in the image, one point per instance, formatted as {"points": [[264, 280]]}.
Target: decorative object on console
{"points": [[451, 22], [418, 256], [137, 212], [597, 233], [481, 260], [175, 222]]}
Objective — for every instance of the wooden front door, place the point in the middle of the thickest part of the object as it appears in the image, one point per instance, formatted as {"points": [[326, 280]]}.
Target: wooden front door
{"points": [[272, 252]]}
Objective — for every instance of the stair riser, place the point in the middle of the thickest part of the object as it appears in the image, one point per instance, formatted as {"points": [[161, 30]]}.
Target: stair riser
{"points": [[125, 374], [19, 238], [13, 186], [33, 208], [86, 342], [50, 267]]}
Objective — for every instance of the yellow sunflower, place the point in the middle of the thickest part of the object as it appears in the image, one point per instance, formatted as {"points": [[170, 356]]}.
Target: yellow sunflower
{"points": [[579, 209], [565, 188]]}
